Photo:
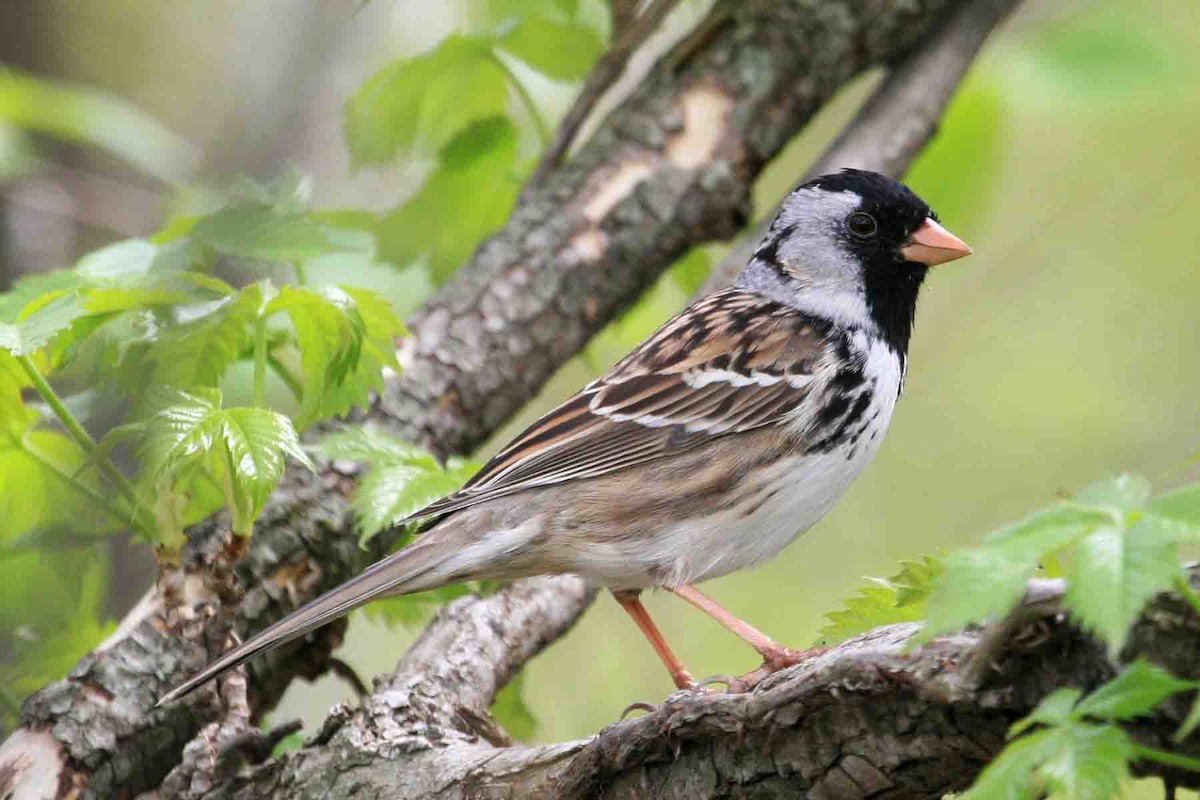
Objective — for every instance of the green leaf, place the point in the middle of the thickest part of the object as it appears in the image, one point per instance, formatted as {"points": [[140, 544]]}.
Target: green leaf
{"points": [[1114, 571], [563, 50], [1088, 761], [245, 449], [49, 650], [345, 341], [883, 602], [197, 352], [1136, 691], [988, 580], [37, 328], [272, 234], [401, 479], [120, 259], [1181, 507], [15, 416], [1121, 494], [258, 443], [1069, 759], [422, 103], [1011, 775], [33, 496], [1190, 722], [1055, 709], [368, 446], [34, 287], [388, 494], [466, 198]]}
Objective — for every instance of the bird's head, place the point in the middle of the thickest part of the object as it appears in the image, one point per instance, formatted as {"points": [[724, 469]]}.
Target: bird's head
{"points": [[853, 247]]}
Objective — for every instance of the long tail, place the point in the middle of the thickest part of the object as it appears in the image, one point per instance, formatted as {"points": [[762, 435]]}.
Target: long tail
{"points": [[399, 573]]}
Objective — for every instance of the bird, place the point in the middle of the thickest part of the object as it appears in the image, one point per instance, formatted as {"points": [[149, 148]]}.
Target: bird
{"points": [[709, 448]]}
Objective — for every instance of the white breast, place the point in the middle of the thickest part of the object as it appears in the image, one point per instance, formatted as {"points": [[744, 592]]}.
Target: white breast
{"points": [[794, 493]]}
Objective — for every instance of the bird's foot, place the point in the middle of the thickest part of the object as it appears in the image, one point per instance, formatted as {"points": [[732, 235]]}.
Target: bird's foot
{"points": [[649, 708], [779, 657], [774, 660]]}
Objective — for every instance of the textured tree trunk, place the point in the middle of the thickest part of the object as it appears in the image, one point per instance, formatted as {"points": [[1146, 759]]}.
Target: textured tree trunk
{"points": [[672, 166]]}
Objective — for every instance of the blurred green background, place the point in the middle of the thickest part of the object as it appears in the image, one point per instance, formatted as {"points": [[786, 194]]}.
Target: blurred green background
{"points": [[1064, 350]]}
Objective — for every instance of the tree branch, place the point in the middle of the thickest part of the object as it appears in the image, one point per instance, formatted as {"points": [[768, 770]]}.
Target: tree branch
{"points": [[870, 718], [671, 167]]}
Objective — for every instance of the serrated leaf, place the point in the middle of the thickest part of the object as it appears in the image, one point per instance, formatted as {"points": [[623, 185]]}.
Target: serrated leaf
{"points": [[268, 233], [197, 352], [401, 479], [1089, 762], [118, 260], [369, 447], [388, 494], [258, 443], [244, 449], [421, 103], [1114, 571], [1180, 507], [467, 197], [1055, 709], [1136, 691], [563, 50], [988, 580], [1124, 493], [44, 322], [381, 325], [1010, 776], [344, 341], [883, 602]]}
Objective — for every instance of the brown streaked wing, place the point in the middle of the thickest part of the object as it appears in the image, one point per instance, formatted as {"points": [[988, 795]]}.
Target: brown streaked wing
{"points": [[645, 409]]}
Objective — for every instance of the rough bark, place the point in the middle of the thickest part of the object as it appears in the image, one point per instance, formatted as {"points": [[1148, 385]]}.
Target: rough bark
{"points": [[871, 718], [671, 167]]}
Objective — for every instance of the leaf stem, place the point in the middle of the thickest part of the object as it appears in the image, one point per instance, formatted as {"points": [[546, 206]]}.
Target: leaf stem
{"points": [[77, 432], [1184, 587], [126, 516], [1169, 759], [285, 375], [260, 361], [301, 273], [543, 131]]}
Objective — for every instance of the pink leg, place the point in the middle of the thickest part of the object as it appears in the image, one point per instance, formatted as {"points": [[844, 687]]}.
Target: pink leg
{"points": [[775, 656], [633, 606]]}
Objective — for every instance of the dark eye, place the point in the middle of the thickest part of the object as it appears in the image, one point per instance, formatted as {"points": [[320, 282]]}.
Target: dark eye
{"points": [[861, 224]]}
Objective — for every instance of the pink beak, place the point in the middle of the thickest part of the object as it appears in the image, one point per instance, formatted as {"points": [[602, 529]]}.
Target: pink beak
{"points": [[932, 244]]}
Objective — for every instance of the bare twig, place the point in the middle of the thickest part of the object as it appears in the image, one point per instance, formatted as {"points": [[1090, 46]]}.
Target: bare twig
{"points": [[899, 118], [630, 30]]}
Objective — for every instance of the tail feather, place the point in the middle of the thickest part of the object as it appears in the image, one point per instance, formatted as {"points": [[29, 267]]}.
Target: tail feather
{"points": [[399, 573]]}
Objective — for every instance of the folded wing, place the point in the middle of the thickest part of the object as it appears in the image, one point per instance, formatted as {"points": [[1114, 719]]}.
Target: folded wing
{"points": [[733, 362]]}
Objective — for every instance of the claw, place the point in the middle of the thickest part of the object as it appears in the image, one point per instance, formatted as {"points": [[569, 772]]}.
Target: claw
{"points": [[649, 708]]}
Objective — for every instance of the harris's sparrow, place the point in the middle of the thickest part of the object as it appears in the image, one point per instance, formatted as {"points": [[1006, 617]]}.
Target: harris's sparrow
{"points": [[726, 434]]}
